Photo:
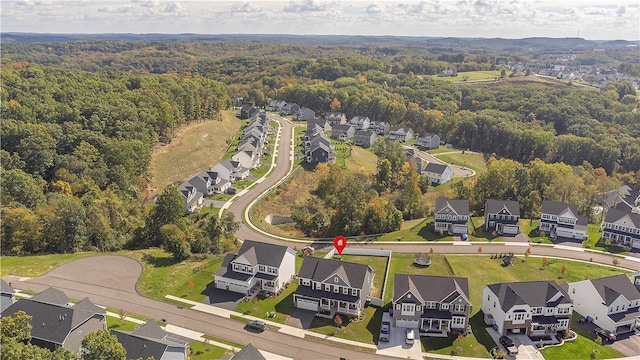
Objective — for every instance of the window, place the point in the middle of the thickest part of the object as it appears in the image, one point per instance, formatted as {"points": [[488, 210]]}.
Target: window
{"points": [[354, 292], [345, 290], [459, 308], [335, 279], [261, 268], [444, 306], [494, 304], [327, 287], [430, 305], [564, 310], [458, 320], [536, 311], [336, 289], [488, 297], [306, 282], [563, 323], [518, 316], [408, 309], [398, 306], [318, 285], [418, 308]]}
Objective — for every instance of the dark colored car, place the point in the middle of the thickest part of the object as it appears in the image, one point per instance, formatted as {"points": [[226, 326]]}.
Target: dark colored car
{"points": [[508, 345], [384, 331], [606, 335], [256, 325]]}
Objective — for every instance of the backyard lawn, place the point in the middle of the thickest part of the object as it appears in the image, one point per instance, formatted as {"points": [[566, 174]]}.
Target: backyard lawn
{"points": [[364, 330], [471, 160], [378, 264]]}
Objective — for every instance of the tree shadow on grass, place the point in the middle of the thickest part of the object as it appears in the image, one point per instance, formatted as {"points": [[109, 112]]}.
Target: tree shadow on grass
{"points": [[427, 233], [159, 261], [479, 331]]}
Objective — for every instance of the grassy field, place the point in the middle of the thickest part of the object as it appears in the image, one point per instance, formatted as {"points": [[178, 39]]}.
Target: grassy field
{"points": [[364, 330], [471, 76], [202, 143], [202, 351], [377, 263], [440, 150], [114, 323], [36, 265], [472, 161]]}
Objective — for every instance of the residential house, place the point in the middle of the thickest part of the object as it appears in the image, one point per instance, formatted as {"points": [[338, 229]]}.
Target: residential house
{"points": [[364, 138], [401, 133], [56, 323], [343, 132], [448, 73], [622, 228], [275, 105], [436, 305], [192, 198], [538, 309], [257, 266], [236, 170], [562, 220], [247, 111], [360, 122], [322, 123], [624, 198], [250, 352], [438, 173], [451, 216], [320, 152], [428, 141], [7, 295], [612, 302], [336, 118], [289, 109], [380, 127], [150, 341], [330, 286], [502, 216], [248, 159], [304, 114], [204, 182]]}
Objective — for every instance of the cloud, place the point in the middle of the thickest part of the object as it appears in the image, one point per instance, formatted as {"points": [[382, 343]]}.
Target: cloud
{"points": [[245, 8], [116, 9], [373, 9], [172, 8], [621, 10], [305, 6]]}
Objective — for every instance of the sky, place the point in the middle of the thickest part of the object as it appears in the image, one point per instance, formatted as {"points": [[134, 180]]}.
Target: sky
{"points": [[589, 19]]}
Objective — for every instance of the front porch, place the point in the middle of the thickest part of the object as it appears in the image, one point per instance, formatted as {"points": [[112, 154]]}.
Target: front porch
{"points": [[338, 306], [435, 323]]}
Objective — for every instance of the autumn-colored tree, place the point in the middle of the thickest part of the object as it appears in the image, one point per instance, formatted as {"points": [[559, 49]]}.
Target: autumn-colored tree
{"points": [[336, 105], [563, 270], [338, 320]]}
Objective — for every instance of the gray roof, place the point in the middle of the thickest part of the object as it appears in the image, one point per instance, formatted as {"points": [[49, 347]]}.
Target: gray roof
{"points": [[5, 288], [611, 287], [459, 206], [249, 352], [147, 340], [556, 208], [52, 296], [431, 288], [256, 252], [334, 116], [436, 168], [319, 269], [494, 206], [614, 215], [364, 135], [532, 293], [341, 128], [53, 322]]}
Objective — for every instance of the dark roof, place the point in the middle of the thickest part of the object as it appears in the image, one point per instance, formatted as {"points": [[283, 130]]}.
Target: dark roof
{"points": [[334, 115], [319, 269], [341, 128], [436, 168], [556, 208], [52, 296], [613, 215], [249, 352], [364, 134], [459, 206], [147, 340], [495, 206], [259, 253], [150, 329], [5, 288], [532, 293], [53, 322], [431, 288], [611, 287]]}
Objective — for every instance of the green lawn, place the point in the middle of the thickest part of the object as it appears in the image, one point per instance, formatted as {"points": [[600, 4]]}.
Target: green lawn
{"points": [[453, 345], [261, 170], [378, 264], [582, 348], [440, 150], [36, 265], [471, 76], [114, 323], [403, 264], [260, 306], [472, 161], [365, 330], [202, 351]]}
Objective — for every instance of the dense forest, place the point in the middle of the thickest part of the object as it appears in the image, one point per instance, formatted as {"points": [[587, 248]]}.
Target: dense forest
{"points": [[80, 119]]}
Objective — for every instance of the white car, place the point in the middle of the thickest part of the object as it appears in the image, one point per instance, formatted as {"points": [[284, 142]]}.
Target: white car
{"points": [[411, 336]]}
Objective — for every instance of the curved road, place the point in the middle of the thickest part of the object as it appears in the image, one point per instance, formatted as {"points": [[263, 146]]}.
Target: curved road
{"points": [[110, 280]]}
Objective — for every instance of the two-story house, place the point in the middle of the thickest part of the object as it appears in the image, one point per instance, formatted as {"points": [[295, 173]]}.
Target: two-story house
{"points": [[438, 173], [336, 118], [317, 146], [451, 216], [502, 216], [289, 109], [380, 127], [56, 323], [562, 220], [149, 341], [428, 141], [343, 132], [435, 305], [322, 123], [360, 122], [330, 286], [257, 266], [304, 114], [364, 138], [401, 133], [612, 302], [191, 197], [538, 309], [622, 228], [275, 105]]}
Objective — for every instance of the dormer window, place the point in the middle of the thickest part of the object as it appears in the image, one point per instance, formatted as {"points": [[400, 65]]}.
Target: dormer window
{"points": [[335, 279]]}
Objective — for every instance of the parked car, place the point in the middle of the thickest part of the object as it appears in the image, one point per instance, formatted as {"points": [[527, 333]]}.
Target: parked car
{"points": [[606, 335], [509, 346], [411, 336], [384, 331], [256, 325]]}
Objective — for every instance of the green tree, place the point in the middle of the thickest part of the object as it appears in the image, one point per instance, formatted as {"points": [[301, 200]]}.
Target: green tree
{"points": [[101, 345], [18, 186], [21, 232], [169, 207], [17, 327], [385, 175]]}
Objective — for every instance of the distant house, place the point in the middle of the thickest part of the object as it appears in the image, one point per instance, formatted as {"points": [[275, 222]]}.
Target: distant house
{"points": [[435, 305], [360, 122], [343, 132], [151, 341], [438, 173], [192, 198], [336, 118], [562, 220], [451, 216], [235, 169], [428, 141], [7, 295], [534, 308], [622, 228], [289, 109], [276, 105], [401, 133], [331, 286], [624, 198], [247, 159], [322, 123], [320, 152], [612, 302], [503, 216], [250, 352], [447, 73], [257, 266], [380, 127], [304, 114], [364, 138], [55, 323], [246, 111]]}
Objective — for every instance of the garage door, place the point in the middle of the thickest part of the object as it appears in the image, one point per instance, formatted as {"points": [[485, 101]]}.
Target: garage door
{"points": [[307, 304], [510, 230], [238, 288], [407, 323], [460, 229]]}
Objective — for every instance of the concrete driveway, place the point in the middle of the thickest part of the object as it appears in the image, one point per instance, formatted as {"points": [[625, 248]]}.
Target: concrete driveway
{"points": [[526, 348], [301, 319], [396, 346], [627, 344]]}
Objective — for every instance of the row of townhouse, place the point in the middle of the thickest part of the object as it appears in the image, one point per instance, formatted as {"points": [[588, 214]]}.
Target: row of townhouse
{"points": [[57, 322], [621, 226], [218, 178], [316, 145]]}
